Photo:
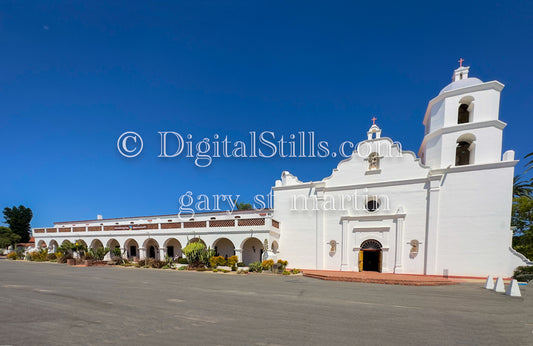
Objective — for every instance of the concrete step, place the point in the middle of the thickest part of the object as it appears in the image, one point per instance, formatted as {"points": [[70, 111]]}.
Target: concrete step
{"points": [[379, 278]]}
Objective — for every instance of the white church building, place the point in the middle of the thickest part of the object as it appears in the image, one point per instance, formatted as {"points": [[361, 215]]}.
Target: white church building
{"points": [[445, 211]]}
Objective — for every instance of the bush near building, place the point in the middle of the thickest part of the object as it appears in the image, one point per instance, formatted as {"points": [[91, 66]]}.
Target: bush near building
{"points": [[198, 256], [39, 256], [217, 261], [12, 256], [255, 267], [151, 263], [232, 261], [524, 273], [267, 264]]}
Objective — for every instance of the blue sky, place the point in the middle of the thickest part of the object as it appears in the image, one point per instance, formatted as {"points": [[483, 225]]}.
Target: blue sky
{"points": [[75, 76]]}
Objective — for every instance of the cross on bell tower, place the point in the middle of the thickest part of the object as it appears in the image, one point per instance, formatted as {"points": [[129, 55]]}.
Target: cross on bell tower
{"points": [[374, 130], [461, 72]]}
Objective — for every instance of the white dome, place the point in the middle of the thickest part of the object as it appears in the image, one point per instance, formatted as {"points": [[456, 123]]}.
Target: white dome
{"points": [[462, 83]]}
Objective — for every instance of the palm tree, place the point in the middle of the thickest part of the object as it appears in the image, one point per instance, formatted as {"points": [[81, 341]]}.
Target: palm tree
{"points": [[529, 165], [521, 187]]}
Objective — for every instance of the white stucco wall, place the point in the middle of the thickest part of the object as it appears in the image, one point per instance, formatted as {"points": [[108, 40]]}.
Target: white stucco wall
{"points": [[474, 223]]}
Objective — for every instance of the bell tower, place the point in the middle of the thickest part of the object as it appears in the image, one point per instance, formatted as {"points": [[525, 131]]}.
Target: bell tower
{"points": [[462, 125]]}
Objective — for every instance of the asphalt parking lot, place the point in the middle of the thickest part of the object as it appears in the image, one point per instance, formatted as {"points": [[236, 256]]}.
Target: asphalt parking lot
{"points": [[48, 303]]}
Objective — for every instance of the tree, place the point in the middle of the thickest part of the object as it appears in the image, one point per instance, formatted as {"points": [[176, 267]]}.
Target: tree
{"points": [[8, 237], [522, 212], [243, 206], [529, 165], [521, 187], [18, 219], [522, 220]]}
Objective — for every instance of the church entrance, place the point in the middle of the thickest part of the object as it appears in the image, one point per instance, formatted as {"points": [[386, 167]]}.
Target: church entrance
{"points": [[370, 256]]}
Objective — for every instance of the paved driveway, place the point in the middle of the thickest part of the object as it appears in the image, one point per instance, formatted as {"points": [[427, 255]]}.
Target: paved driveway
{"points": [[47, 303]]}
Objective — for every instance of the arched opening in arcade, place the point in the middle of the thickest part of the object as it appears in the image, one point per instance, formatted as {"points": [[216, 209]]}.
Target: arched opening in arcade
{"points": [[173, 248], [195, 240], [52, 246], [152, 248], [252, 250], [113, 244], [132, 248], [224, 247], [95, 244]]}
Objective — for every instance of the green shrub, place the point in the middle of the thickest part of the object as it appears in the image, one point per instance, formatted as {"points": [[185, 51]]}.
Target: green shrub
{"points": [[62, 257], [523, 273], [89, 255], [286, 272], [79, 248], [182, 268], [195, 253], [51, 257], [64, 252], [165, 267], [241, 264], [206, 256], [117, 252], [97, 254], [255, 267], [295, 271], [182, 260]]}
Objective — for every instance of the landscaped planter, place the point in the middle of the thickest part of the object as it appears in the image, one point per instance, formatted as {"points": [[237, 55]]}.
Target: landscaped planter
{"points": [[178, 265]]}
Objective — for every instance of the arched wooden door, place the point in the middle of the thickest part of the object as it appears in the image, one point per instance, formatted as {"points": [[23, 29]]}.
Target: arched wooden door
{"points": [[370, 256]]}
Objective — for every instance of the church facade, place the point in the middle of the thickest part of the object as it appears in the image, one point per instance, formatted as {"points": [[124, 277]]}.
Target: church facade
{"points": [[445, 211]]}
